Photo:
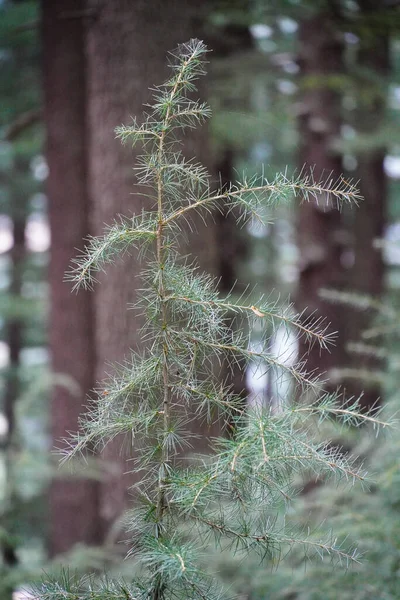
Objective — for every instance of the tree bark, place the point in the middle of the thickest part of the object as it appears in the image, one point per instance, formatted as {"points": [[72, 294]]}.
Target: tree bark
{"points": [[127, 46], [73, 502], [322, 238]]}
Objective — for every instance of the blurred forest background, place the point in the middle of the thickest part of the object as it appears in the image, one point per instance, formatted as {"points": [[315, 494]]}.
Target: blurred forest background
{"points": [[293, 84]]}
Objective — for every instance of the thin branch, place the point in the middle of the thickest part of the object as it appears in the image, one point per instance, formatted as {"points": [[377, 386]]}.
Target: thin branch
{"points": [[305, 188], [302, 377], [269, 539], [322, 336]]}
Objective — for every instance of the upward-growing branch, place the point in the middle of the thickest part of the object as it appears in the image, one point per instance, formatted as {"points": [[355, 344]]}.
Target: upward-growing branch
{"points": [[164, 461]]}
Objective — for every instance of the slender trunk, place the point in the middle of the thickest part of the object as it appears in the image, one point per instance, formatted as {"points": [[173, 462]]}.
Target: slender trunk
{"points": [[14, 332], [231, 250], [370, 217], [321, 235], [73, 503], [14, 327]]}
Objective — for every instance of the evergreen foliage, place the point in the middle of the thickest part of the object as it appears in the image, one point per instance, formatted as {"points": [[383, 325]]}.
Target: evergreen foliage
{"points": [[233, 497], [371, 517]]}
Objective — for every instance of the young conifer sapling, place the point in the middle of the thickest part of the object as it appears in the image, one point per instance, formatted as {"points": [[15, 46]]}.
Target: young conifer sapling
{"points": [[234, 496]]}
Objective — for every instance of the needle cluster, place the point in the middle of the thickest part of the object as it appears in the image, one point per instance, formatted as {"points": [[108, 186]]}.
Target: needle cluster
{"points": [[234, 495]]}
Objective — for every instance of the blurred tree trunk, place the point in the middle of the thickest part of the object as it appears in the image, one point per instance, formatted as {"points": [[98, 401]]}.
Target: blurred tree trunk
{"points": [[226, 40], [14, 326], [231, 251], [370, 217], [13, 337], [321, 235], [126, 48], [73, 502]]}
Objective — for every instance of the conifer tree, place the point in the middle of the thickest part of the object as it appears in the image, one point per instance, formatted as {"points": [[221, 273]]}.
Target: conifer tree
{"points": [[234, 496]]}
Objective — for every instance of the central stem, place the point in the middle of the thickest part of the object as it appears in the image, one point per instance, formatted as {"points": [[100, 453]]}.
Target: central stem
{"points": [[165, 374], [159, 587]]}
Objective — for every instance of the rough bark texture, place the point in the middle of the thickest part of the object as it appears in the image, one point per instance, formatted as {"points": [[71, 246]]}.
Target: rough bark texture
{"points": [[126, 47], [321, 236], [73, 502]]}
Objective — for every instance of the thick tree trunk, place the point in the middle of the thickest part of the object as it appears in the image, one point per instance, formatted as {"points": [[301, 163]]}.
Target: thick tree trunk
{"points": [[73, 502], [126, 49], [321, 236]]}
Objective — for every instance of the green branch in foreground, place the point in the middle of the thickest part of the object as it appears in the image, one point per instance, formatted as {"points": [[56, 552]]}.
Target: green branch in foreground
{"points": [[236, 494]]}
